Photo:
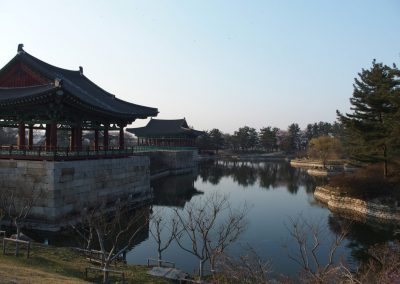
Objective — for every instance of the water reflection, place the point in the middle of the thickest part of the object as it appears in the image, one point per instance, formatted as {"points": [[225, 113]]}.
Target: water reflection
{"points": [[362, 235], [174, 191], [267, 175], [275, 189], [277, 192], [71, 238]]}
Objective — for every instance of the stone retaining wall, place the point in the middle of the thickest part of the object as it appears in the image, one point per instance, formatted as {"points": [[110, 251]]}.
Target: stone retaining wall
{"points": [[368, 209], [69, 186], [172, 161]]}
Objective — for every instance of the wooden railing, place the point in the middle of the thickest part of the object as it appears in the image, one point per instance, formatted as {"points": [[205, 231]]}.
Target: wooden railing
{"points": [[66, 153]]}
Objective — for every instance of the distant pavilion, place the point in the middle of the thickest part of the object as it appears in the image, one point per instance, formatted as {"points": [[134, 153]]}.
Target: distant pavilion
{"points": [[37, 95], [166, 132]]}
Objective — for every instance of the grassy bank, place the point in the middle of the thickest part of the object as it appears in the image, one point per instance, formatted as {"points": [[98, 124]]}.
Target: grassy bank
{"points": [[60, 265]]}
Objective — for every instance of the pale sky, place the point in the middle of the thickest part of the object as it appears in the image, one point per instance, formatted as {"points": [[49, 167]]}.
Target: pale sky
{"points": [[221, 64]]}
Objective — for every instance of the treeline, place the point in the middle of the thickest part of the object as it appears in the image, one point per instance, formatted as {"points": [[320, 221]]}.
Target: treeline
{"points": [[268, 139]]}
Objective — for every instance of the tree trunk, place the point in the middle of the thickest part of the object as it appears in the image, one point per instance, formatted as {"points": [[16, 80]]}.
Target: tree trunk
{"points": [[159, 258], [385, 162], [17, 238], [201, 268], [105, 274]]}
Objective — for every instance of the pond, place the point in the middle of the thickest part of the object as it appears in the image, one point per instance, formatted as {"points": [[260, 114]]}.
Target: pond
{"points": [[275, 193]]}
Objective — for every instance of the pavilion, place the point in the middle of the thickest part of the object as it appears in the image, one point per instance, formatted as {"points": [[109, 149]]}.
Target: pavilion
{"points": [[37, 95], [166, 132]]}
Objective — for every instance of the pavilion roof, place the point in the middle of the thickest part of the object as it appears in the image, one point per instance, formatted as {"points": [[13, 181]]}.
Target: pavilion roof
{"points": [[76, 84], [165, 127], [13, 94]]}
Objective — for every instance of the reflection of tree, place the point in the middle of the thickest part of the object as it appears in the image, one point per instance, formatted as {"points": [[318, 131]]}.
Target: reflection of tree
{"points": [[362, 235], [174, 190], [268, 174], [244, 175]]}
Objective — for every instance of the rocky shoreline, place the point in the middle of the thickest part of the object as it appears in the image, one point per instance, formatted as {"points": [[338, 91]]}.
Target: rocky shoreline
{"points": [[368, 209]]}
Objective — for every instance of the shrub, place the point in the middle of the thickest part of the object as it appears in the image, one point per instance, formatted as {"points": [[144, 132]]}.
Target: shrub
{"points": [[368, 183]]}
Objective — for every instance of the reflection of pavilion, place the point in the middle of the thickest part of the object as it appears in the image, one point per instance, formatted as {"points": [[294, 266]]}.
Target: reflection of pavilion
{"points": [[166, 132], [174, 190]]}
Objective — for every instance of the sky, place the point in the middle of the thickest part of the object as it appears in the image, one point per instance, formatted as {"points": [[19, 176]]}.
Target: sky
{"points": [[219, 63]]}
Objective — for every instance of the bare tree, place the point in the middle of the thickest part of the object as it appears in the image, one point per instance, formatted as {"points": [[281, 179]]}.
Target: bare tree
{"points": [[309, 238], [383, 265], [115, 226], [160, 223], [17, 205], [247, 268], [211, 225], [84, 227]]}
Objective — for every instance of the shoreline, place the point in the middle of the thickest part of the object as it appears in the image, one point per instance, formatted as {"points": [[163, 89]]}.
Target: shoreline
{"points": [[367, 209]]}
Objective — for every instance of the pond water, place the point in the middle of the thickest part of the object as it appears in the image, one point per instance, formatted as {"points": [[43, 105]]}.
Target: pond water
{"points": [[276, 193]]}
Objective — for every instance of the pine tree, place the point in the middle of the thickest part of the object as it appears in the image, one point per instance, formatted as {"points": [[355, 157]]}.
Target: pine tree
{"points": [[370, 128]]}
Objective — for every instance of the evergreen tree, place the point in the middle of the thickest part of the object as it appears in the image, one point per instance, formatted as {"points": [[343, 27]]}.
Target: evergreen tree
{"points": [[370, 130], [217, 139], [268, 138]]}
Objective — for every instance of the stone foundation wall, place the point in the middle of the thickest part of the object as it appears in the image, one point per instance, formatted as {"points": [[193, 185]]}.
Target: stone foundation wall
{"points": [[69, 186], [172, 162], [368, 209]]}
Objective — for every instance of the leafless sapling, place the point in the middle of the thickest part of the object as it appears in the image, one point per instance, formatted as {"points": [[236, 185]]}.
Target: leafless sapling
{"points": [[309, 238], [210, 226], [18, 204], [248, 268], [158, 225], [115, 226]]}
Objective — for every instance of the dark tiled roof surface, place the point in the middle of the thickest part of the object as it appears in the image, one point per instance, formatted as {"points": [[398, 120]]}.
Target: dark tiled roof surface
{"points": [[164, 127], [8, 94], [80, 86]]}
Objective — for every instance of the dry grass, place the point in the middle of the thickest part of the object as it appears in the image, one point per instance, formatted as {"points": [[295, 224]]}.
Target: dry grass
{"points": [[10, 273], [61, 265]]}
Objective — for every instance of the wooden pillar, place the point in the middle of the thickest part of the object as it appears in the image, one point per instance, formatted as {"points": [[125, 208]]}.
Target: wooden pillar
{"points": [[96, 139], [78, 138], [48, 144], [30, 137], [21, 136], [53, 135], [106, 138], [72, 139], [121, 137]]}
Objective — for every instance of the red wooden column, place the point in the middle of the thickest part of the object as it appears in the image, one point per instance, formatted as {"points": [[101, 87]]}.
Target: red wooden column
{"points": [[48, 144], [72, 139], [106, 138], [53, 135], [121, 137], [78, 138], [21, 136], [30, 137], [96, 139]]}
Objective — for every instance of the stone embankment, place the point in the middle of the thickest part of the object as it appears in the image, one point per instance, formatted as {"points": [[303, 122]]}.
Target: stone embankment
{"points": [[371, 209], [165, 163], [317, 168], [68, 186]]}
